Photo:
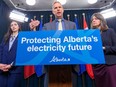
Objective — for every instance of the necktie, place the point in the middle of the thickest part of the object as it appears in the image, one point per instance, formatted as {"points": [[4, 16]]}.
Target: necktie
{"points": [[60, 24]]}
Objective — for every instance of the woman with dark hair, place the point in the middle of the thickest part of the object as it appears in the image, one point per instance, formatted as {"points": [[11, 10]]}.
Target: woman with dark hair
{"points": [[105, 74], [10, 75]]}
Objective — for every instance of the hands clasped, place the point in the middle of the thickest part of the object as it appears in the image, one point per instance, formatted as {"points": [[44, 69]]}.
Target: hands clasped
{"points": [[5, 67]]}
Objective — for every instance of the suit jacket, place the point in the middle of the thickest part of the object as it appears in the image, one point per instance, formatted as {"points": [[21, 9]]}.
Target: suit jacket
{"points": [[8, 56], [109, 41], [68, 25], [52, 25]]}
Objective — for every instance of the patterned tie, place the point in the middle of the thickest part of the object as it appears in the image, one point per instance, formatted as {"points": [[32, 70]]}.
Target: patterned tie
{"points": [[60, 24]]}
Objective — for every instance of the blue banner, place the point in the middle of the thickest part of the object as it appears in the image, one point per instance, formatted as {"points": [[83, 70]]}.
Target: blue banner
{"points": [[60, 47]]}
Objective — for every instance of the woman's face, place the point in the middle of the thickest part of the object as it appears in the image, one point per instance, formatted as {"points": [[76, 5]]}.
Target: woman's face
{"points": [[14, 26], [95, 22]]}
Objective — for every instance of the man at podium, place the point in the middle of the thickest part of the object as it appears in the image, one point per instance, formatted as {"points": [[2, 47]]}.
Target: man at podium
{"points": [[58, 24]]}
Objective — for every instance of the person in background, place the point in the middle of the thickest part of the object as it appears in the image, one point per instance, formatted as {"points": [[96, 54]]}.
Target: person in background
{"points": [[105, 74], [10, 75], [57, 10]]}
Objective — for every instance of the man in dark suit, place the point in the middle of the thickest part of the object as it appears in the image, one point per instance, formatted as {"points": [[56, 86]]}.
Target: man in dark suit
{"points": [[57, 10]]}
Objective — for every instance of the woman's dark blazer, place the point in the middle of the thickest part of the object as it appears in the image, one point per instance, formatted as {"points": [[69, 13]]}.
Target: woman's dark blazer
{"points": [[109, 41], [8, 56]]}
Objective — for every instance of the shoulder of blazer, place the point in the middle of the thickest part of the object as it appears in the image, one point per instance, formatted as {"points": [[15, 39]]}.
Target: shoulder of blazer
{"points": [[50, 23], [70, 22]]}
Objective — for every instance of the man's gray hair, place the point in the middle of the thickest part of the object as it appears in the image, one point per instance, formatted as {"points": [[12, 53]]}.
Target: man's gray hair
{"points": [[55, 3]]}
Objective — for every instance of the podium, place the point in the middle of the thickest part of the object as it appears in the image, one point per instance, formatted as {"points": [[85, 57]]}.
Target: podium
{"points": [[55, 48], [60, 76]]}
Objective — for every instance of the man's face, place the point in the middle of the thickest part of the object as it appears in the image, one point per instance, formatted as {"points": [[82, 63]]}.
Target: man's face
{"points": [[58, 10]]}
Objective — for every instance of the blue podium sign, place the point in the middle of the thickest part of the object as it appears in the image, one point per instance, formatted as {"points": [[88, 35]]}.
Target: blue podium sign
{"points": [[59, 47]]}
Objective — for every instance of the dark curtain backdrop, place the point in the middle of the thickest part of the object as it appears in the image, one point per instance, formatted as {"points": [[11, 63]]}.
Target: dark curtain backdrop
{"points": [[33, 81], [4, 20], [112, 21]]}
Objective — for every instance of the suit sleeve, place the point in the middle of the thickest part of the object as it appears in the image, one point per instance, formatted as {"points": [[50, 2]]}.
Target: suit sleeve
{"points": [[72, 25], [75, 26], [111, 49], [1, 51], [44, 27]]}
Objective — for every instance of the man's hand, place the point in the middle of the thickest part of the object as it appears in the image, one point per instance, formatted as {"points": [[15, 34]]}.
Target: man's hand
{"points": [[33, 24]]}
